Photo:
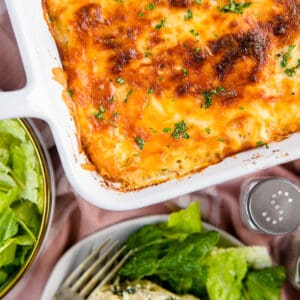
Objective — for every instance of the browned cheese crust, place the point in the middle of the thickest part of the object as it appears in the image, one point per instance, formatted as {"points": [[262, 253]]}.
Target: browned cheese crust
{"points": [[161, 89]]}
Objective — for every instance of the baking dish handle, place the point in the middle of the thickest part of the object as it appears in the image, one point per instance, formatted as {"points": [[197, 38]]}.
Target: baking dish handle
{"points": [[15, 104]]}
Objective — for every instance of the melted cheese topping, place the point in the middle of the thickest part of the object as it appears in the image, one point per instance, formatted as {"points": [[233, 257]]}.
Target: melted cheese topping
{"points": [[160, 89]]}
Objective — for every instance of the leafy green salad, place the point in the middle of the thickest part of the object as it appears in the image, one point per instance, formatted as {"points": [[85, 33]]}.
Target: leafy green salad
{"points": [[186, 259], [21, 198]]}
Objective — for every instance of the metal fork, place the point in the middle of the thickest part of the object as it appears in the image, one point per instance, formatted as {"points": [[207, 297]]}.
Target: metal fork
{"points": [[94, 272]]}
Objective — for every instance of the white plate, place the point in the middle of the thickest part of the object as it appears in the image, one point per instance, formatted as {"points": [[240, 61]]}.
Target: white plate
{"points": [[120, 232]]}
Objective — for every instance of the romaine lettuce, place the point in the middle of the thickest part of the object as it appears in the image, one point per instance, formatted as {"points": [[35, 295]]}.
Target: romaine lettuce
{"points": [[21, 198]]}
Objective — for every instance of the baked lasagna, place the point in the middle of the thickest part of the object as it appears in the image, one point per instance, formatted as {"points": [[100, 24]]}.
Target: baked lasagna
{"points": [[164, 88]]}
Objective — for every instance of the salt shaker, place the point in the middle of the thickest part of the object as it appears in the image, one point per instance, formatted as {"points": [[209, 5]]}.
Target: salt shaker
{"points": [[271, 205]]}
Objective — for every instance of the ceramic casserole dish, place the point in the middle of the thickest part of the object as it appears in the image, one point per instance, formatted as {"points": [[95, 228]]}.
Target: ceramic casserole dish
{"points": [[41, 98]]}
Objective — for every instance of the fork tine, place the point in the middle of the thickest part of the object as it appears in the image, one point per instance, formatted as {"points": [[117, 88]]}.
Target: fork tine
{"points": [[114, 271], [94, 280], [90, 271], [74, 275]]}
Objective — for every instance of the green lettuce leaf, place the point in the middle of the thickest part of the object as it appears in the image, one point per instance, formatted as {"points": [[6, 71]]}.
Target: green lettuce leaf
{"points": [[184, 222], [13, 129], [7, 252], [21, 198], [226, 271], [6, 199], [3, 276], [264, 284], [8, 225]]}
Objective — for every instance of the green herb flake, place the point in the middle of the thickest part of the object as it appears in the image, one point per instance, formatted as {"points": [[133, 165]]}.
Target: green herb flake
{"points": [[221, 140], [111, 99], [180, 130], [185, 72], [140, 142], [141, 14], [150, 90], [292, 71], [197, 1], [71, 92], [198, 49], [207, 130], [234, 7], [188, 15], [194, 32], [150, 6], [259, 143], [242, 108], [285, 57], [100, 114], [162, 24], [167, 129], [208, 95], [128, 95], [147, 54], [120, 80]]}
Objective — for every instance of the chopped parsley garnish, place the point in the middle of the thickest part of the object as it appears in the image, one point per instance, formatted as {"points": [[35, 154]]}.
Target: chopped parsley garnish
{"points": [[242, 107], [150, 6], [185, 72], [140, 142], [147, 54], [162, 24], [180, 130], [221, 140], [150, 90], [292, 71], [234, 7], [71, 93], [208, 95], [197, 1], [100, 114], [285, 59], [259, 143], [167, 129], [141, 14], [207, 130], [188, 15], [197, 49], [128, 95], [194, 32], [286, 56], [120, 80], [111, 99]]}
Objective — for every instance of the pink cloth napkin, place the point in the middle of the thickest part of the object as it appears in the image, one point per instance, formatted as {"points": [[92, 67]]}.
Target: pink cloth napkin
{"points": [[75, 218]]}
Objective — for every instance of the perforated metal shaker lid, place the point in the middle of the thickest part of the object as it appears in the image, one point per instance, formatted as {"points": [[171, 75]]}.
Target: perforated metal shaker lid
{"points": [[273, 206]]}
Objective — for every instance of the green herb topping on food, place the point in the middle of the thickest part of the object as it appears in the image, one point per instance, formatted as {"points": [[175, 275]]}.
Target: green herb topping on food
{"points": [[234, 7], [140, 142], [180, 130], [208, 95], [285, 57], [100, 114]]}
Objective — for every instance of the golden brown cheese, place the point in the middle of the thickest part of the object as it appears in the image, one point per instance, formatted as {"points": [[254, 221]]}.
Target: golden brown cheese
{"points": [[161, 89]]}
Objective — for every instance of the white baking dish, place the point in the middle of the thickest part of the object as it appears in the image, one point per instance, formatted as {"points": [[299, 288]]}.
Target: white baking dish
{"points": [[41, 98]]}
